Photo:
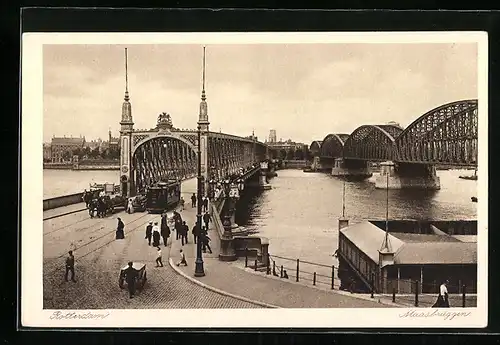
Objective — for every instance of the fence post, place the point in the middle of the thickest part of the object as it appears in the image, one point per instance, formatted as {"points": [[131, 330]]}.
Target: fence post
{"points": [[314, 278], [463, 295], [255, 265], [268, 269], [274, 267], [246, 257], [393, 295], [416, 292], [297, 276], [281, 273], [333, 276]]}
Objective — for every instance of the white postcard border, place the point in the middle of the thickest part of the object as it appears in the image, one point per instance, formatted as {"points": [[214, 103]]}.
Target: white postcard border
{"points": [[32, 313]]}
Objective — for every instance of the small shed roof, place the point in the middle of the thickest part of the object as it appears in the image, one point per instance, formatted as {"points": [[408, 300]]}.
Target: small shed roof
{"points": [[437, 253], [411, 237], [413, 249], [368, 238]]}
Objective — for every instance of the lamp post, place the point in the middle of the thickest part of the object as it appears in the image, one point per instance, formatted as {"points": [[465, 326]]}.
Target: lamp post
{"points": [[199, 270], [230, 194]]}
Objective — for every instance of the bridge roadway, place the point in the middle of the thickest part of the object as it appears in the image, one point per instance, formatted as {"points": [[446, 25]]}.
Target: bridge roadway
{"points": [[99, 258]]}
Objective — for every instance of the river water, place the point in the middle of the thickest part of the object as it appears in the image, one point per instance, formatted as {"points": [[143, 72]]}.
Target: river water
{"points": [[299, 215]]}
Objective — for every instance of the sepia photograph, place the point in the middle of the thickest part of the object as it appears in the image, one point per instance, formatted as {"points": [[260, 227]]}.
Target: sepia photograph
{"points": [[213, 180]]}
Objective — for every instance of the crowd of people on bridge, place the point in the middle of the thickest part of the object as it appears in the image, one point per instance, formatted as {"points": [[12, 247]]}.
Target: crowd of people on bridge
{"points": [[157, 233]]}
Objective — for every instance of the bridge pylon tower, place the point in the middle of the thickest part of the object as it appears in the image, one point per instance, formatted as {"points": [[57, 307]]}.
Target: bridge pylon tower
{"points": [[126, 130]]}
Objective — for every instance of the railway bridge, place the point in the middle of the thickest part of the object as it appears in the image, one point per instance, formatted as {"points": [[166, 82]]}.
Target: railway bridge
{"points": [[408, 157]]}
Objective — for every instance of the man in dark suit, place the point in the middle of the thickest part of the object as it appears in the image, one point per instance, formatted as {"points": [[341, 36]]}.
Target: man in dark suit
{"points": [[130, 277], [206, 219], [70, 266], [149, 232]]}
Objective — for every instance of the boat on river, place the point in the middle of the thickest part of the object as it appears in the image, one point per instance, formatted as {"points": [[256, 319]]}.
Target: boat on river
{"points": [[469, 177]]}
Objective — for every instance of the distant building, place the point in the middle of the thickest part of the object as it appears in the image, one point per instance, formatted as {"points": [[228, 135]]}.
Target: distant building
{"points": [[47, 152], [272, 136], [394, 123], [286, 145], [62, 148], [113, 143], [94, 144]]}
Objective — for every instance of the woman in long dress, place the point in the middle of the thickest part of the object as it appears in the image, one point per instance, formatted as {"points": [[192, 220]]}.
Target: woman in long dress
{"points": [[442, 299], [156, 235], [120, 234]]}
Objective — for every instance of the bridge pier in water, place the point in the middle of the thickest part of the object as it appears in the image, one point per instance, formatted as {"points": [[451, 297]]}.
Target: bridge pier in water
{"points": [[351, 168], [407, 175]]}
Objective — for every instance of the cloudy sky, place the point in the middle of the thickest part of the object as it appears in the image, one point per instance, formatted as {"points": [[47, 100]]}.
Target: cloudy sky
{"points": [[304, 91]]}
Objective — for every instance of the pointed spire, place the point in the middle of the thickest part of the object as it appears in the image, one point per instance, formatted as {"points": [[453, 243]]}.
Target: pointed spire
{"points": [[126, 76], [203, 96], [203, 118]]}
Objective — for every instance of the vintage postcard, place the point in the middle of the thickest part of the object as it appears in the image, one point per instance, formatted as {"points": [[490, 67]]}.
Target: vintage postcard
{"points": [[254, 180]]}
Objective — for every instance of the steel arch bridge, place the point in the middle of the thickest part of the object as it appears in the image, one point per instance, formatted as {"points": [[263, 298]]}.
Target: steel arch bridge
{"points": [[168, 153], [332, 145], [315, 147], [447, 134], [373, 143]]}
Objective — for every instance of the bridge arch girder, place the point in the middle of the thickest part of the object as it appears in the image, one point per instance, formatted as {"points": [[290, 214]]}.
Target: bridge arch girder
{"points": [[447, 134], [315, 148], [161, 157], [332, 145], [372, 143]]}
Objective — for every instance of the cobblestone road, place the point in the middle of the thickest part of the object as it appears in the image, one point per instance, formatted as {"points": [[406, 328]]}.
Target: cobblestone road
{"points": [[98, 261]]}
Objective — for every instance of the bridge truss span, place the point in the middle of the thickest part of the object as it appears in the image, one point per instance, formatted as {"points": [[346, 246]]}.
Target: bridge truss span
{"points": [[372, 143], [161, 158], [332, 145], [447, 134], [167, 153]]}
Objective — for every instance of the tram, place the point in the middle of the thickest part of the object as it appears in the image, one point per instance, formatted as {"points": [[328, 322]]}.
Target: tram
{"points": [[162, 196]]}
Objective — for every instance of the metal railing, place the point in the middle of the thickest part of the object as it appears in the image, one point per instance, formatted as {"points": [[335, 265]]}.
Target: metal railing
{"points": [[304, 271], [400, 291]]}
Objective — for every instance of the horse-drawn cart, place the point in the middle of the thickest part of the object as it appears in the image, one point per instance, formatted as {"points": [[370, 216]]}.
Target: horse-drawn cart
{"points": [[106, 200], [140, 278]]}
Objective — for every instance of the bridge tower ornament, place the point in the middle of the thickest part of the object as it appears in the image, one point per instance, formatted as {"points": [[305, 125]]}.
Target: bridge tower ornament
{"points": [[164, 122]]}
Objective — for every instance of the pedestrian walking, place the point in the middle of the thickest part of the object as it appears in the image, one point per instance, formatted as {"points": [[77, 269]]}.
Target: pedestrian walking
{"points": [[442, 299], [158, 258], [193, 200], [195, 232], [87, 198], [70, 266], [184, 233], [205, 242], [205, 204], [182, 261], [165, 230], [177, 224], [130, 276], [156, 235], [130, 206], [120, 233], [149, 232], [181, 203], [206, 219]]}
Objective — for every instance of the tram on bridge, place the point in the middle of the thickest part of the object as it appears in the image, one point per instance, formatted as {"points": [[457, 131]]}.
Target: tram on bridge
{"points": [[162, 196]]}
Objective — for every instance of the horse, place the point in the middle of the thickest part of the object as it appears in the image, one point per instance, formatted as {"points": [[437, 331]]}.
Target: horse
{"points": [[93, 207]]}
